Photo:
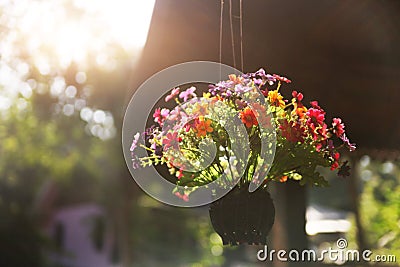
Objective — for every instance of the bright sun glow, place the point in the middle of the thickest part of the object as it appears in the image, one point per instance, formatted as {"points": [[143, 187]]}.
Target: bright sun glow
{"points": [[50, 35], [58, 32]]}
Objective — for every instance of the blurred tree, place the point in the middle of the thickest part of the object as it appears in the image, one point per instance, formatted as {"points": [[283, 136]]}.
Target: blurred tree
{"points": [[35, 148]]}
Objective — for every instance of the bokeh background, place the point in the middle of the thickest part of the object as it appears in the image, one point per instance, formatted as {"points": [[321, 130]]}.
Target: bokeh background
{"points": [[68, 68]]}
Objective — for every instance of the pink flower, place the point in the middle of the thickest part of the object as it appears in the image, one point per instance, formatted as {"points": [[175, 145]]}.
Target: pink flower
{"points": [[179, 174], [323, 132], [346, 141], [282, 79], [160, 115], [338, 127], [157, 116], [173, 93], [316, 118], [164, 112], [186, 94], [184, 197], [178, 115], [315, 105]]}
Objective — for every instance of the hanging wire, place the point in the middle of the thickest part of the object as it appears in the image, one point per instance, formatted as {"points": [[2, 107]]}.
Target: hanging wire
{"points": [[232, 35], [241, 34], [220, 37]]}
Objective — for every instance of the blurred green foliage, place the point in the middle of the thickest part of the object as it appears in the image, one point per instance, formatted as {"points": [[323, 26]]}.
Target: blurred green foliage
{"points": [[380, 206]]}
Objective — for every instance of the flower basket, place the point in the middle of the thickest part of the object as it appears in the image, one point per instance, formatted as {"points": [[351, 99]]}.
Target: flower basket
{"points": [[241, 217], [234, 141]]}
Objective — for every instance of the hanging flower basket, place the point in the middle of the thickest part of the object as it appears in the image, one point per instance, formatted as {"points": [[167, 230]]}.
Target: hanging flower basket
{"points": [[241, 217], [242, 135]]}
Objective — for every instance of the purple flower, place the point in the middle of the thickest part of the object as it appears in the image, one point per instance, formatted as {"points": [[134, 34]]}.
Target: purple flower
{"points": [[331, 147], [135, 163], [135, 159], [186, 94], [213, 89], [149, 133], [271, 79], [346, 141], [225, 84], [135, 142], [173, 93], [264, 77], [258, 82], [240, 89], [228, 93], [261, 73]]}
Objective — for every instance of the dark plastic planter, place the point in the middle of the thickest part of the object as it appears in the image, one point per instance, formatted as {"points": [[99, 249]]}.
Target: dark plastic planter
{"points": [[241, 217]]}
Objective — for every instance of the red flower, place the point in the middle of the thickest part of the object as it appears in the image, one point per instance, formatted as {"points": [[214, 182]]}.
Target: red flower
{"points": [[293, 132], [265, 92], [338, 127], [248, 118], [171, 140], [336, 156], [297, 96], [335, 164]]}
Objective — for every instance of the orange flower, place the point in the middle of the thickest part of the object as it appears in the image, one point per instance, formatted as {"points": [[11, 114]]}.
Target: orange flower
{"points": [[216, 98], [283, 179], [300, 111], [203, 127], [248, 117], [235, 79], [276, 99]]}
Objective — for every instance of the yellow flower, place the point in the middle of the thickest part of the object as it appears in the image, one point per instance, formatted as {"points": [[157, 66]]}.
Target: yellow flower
{"points": [[200, 109], [206, 95], [276, 99]]}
